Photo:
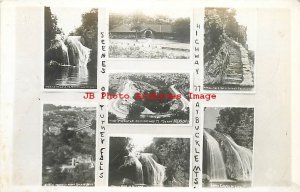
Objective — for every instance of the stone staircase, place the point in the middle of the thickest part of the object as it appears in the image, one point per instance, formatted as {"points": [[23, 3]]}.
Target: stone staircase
{"points": [[248, 79], [231, 66], [238, 70], [233, 71]]}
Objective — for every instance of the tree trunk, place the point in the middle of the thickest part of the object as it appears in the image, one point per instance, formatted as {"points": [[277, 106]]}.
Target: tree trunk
{"points": [[136, 38]]}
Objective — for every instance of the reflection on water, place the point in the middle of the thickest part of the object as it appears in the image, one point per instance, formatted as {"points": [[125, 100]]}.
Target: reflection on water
{"points": [[70, 77]]}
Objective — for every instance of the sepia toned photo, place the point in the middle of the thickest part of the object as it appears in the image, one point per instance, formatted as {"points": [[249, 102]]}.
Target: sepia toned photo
{"points": [[70, 43], [145, 161], [149, 98], [229, 44], [149, 33], [228, 147], [69, 144]]}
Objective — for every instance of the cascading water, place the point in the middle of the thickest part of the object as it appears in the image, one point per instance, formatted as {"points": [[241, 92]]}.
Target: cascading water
{"points": [[215, 164], [79, 55], [244, 157], [154, 173]]}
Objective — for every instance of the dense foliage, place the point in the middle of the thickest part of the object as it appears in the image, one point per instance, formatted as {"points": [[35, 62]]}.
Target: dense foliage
{"points": [[50, 27], [119, 147], [238, 123], [219, 22], [89, 33], [174, 154]]}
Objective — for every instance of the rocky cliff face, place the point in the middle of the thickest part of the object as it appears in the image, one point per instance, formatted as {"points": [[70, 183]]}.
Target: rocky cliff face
{"points": [[58, 52]]}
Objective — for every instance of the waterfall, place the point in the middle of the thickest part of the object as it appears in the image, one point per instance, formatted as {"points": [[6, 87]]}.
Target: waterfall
{"points": [[215, 164], [228, 160], [154, 173], [244, 157], [79, 55]]}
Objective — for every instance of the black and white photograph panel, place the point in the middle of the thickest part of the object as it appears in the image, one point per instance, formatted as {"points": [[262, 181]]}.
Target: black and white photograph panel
{"points": [[149, 98], [149, 33], [145, 161], [229, 45], [228, 147], [69, 145], [70, 47]]}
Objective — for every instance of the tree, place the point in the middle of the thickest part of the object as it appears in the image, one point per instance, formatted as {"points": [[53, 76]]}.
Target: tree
{"points": [[89, 33], [135, 110], [112, 116], [174, 153], [50, 27], [181, 28], [219, 22], [119, 147], [115, 20], [82, 174], [93, 124], [238, 123], [56, 177], [136, 23]]}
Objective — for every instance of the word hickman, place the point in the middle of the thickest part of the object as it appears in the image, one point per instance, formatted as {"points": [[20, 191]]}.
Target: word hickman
{"points": [[153, 96]]}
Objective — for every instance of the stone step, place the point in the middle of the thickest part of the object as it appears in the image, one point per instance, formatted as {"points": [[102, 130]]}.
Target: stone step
{"points": [[233, 79], [231, 83], [234, 75], [234, 68]]}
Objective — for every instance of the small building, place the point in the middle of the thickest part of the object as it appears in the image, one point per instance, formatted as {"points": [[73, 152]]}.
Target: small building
{"points": [[153, 31], [79, 159]]}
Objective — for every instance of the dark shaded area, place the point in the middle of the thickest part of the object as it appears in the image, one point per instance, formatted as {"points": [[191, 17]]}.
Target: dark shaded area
{"points": [[219, 21], [238, 123], [119, 147]]}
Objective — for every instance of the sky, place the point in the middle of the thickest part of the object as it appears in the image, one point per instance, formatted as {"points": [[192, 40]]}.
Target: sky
{"points": [[210, 117], [69, 18], [172, 13], [247, 17], [141, 141]]}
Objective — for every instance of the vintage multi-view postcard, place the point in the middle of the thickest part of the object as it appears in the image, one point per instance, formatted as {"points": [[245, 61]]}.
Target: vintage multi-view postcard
{"points": [[149, 95]]}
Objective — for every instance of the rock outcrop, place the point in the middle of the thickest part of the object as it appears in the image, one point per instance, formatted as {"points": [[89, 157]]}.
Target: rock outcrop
{"points": [[58, 52]]}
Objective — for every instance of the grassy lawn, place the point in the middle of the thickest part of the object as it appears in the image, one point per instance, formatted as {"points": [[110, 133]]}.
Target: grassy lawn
{"points": [[148, 49]]}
